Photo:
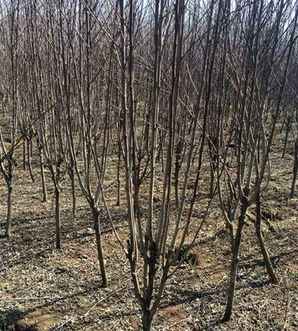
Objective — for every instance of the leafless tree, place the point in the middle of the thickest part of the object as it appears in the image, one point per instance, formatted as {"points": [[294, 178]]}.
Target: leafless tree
{"points": [[9, 137]]}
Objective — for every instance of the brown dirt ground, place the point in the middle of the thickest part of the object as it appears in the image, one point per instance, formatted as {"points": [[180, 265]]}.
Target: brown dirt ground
{"points": [[60, 290]]}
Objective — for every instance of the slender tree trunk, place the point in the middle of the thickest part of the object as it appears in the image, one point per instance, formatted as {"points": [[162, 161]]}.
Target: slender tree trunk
{"points": [[99, 247], [73, 191], [118, 174], [57, 218], [213, 150], [31, 148], [288, 129], [24, 154], [264, 251], [9, 206], [211, 184], [43, 180], [230, 230], [176, 187], [235, 261], [29, 154], [137, 198], [177, 170], [295, 169]]}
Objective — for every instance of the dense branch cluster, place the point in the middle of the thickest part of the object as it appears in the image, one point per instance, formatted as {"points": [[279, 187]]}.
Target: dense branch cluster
{"points": [[186, 97]]}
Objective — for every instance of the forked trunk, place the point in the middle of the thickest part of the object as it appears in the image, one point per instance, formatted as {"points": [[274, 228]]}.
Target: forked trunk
{"points": [[148, 310]]}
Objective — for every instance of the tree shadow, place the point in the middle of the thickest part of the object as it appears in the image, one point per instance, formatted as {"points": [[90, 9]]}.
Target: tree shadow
{"points": [[35, 240], [210, 296], [9, 319], [89, 289], [275, 259], [184, 296]]}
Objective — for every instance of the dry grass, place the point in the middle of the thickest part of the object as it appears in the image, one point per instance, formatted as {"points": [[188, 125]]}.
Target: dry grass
{"points": [[53, 290]]}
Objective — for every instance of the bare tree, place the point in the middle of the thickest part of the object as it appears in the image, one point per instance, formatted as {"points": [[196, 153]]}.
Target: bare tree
{"points": [[9, 139], [253, 103]]}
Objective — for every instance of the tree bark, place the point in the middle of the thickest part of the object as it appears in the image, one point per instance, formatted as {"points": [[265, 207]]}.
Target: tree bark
{"points": [[24, 154], [147, 320], [177, 170], [73, 191], [118, 172], [137, 198], [8, 217], [43, 180], [235, 261], [99, 247], [57, 218], [29, 156], [295, 169], [288, 129], [264, 251]]}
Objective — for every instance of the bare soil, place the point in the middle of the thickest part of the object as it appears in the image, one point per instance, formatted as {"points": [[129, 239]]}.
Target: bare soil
{"points": [[48, 289]]}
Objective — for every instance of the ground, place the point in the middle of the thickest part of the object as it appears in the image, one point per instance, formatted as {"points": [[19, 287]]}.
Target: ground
{"points": [[61, 290]]}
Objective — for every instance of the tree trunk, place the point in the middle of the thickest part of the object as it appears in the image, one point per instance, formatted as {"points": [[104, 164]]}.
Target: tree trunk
{"points": [[235, 261], [24, 154], [288, 129], [230, 231], [57, 218], [295, 169], [9, 205], [99, 247], [118, 174], [147, 320], [137, 199], [43, 181], [29, 154], [73, 192], [211, 183], [178, 154], [264, 251]]}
